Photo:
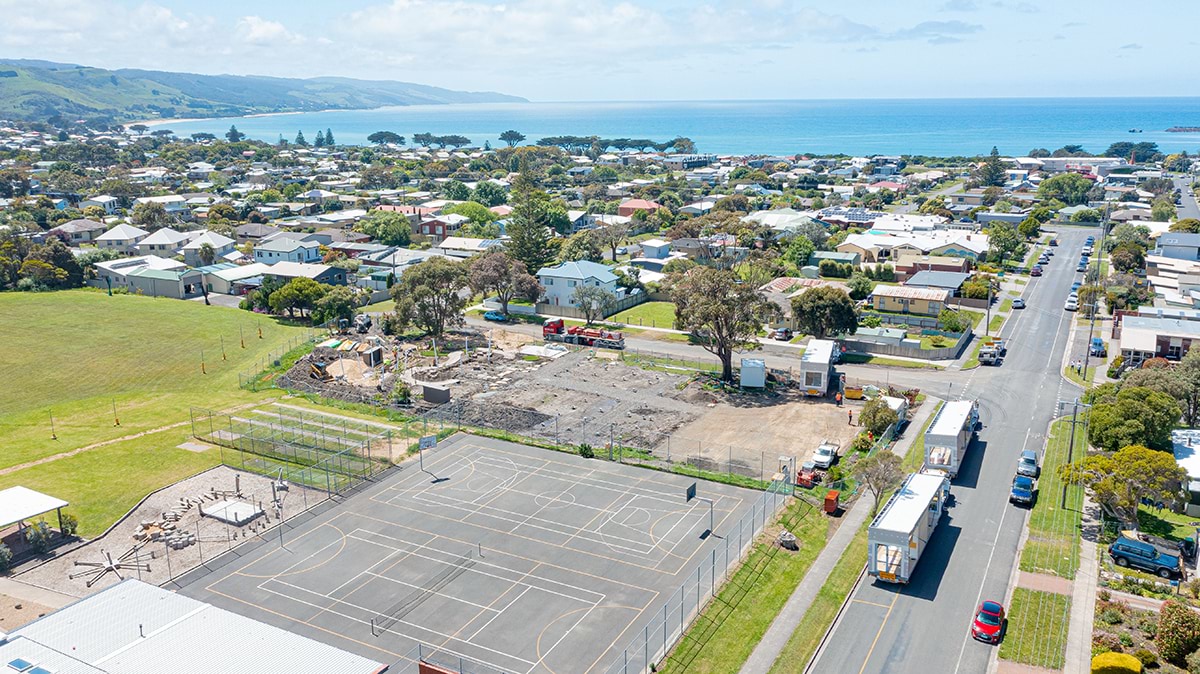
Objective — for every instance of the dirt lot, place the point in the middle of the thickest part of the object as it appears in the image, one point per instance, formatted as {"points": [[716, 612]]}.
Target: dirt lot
{"points": [[14, 612], [214, 536]]}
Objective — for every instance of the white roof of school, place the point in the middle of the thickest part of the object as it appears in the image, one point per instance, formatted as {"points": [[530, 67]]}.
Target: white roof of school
{"points": [[122, 232], [21, 503], [138, 628], [908, 506]]}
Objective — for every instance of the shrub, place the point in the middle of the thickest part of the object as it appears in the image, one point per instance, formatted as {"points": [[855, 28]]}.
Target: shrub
{"points": [[37, 535], [69, 524], [1126, 639], [5, 557], [1178, 631], [1146, 657], [1103, 642], [1193, 663], [586, 451], [1111, 616], [876, 416], [861, 443], [1115, 663]]}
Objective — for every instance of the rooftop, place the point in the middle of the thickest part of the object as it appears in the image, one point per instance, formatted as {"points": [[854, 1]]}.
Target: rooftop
{"points": [[908, 505], [580, 271]]}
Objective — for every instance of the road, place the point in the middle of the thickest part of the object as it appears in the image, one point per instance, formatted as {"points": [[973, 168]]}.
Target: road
{"points": [[923, 626], [1187, 205]]}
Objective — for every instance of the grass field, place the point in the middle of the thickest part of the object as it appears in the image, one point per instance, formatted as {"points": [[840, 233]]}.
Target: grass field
{"points": [[1037, 628], [1054, 530], [650, 314], [868, 359], [79, 352]]}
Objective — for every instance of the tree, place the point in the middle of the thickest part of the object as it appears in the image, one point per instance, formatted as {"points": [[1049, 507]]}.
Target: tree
{"points": [[1087, 215], [233, 134], [1069, 188], [139, 128], [1135, 152], [1127, 258], [299, 294], [320, 141], [595, 302], [528, 227], [877, 415], [799, 250], [683, 145], [477, 212], [1178, 633], [429, 295], [1188, 225], [206, 253], [495, 272], [455, 190], [581, 246], [860, 286], [1004, 241], [1136, 416], [1029, 228], [329, 142], [60, 263], [387, 227], [512, 138], [489, 193], [612, 235], [721, 313], [953, 321], [150, 215], [992, 171], [385, 138], [824, 311], [1128, 233], [1162, 210], [340, 303], [879, 473], [1120, 481], [300, 139], [203, 136]]}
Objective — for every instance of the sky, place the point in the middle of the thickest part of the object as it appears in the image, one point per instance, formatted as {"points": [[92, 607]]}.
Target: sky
{"points": [[581, 50]]}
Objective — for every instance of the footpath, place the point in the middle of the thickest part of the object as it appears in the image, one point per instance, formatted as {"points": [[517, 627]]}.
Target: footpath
{"points": [[772, 644]]}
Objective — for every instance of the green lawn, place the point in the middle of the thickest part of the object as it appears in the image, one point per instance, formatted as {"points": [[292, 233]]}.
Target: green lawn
{"points": [[1054, 530], [721, 639], [1037, 628], [75, 353], [868, 359], [973, 360], [382, 306], [648, 314], [996, 323], [1083, 380], [1006, 305], [916, 452]]}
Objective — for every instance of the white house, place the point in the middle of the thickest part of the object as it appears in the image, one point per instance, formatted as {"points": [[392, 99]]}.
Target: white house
{"points": [[561, 280], [117, 272], [221, 245], [166, 242], [656, 249], [284, 248], [461, 246], [174, 204], [122, 238], [108, 203]]}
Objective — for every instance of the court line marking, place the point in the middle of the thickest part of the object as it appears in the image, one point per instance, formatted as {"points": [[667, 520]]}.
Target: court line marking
{"points": [[537, 647], [498, 613], [367, 571], [288, 571]]}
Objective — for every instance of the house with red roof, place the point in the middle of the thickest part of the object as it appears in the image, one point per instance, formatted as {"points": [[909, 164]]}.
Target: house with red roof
{"points": [[631, 206]]}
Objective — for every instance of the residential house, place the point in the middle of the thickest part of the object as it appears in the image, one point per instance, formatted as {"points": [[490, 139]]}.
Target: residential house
{"points": [[655, 249], [698, 208], [1179, 246], [80, 231], [236, 280], [284, 248], [254, 232], [222, 245], [114, 273], [175, 205], [908, 300], [122, 238], [631, 206], [109, 203], [321, 273], [560, 281], [851, 258], [464, 247], [179, 284], [165, 242], [966, 200], [687, 162], [943, 280], [1144, 337], [782, 290], [442, 226], [908, 264]]}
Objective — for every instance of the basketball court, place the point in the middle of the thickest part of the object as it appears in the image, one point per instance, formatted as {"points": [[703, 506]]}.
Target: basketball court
{"points": [[514, 558]]}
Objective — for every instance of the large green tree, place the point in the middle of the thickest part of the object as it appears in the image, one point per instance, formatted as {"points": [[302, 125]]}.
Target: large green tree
{"points": [[529, 224], [1004, 242], [297, 295], [340, 303], [385, 137], [1069, 188], [497, 273], [512, 138], [386, 227], [991, 172], [595, 302], [824, 311], [581, 246], [1134, 416], [1119, 481], [723, 315], [880, 473], [429, 295]]}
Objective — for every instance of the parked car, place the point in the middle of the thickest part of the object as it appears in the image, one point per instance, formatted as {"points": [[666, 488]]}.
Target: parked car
{"points": [[1098, 348], [1072, 304], [1044, 259], [1075, 285], [826, 454], [1130, 552], [988, 624], [1053, 242], [1018, 303], [1027, 464], [1036, 271], [1022, 491], [781, 334], [622, 250], [1082, 266], [497, 316]]}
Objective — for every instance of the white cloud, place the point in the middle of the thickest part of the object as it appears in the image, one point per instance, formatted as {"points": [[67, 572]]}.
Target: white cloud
{"points": [[259, 31]]}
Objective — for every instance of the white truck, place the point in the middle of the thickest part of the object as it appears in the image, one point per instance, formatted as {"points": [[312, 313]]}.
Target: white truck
{"points": [[900, 532], [949, 435]]}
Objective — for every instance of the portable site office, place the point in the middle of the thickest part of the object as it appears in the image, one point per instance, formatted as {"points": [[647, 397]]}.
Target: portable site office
{"points": [[816, 365], [950, 434], [898, 535]]}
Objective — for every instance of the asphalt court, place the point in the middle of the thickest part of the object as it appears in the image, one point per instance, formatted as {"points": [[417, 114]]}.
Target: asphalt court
{"points": [[522, 559]]}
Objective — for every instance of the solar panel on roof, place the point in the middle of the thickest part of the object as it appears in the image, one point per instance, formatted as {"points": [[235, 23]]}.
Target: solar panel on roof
{"points": [[20, 665], [40, 670]]}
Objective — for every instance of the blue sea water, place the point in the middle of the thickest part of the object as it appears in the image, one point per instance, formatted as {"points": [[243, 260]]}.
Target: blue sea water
{"points": [[910, 126]]}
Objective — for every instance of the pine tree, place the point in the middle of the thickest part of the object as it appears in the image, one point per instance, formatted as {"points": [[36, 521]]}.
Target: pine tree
{"points": [[528, 228], [320, 142], [300, 139], [991, 173], [233, 134], [329, 138]]}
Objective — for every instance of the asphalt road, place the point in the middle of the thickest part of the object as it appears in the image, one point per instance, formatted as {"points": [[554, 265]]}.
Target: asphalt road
{"points": [[1187, 206], [924, 626]]}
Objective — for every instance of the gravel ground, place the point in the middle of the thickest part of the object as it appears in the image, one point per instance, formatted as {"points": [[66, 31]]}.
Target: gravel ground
{"points": [[214, 536]]}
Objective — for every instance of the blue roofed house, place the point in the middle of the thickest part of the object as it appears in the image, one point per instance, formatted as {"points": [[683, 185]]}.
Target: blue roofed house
{"points": [[560, 281]]}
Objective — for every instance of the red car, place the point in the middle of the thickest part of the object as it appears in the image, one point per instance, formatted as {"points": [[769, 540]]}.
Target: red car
{"points": [[989, 622], [1036, 271]]}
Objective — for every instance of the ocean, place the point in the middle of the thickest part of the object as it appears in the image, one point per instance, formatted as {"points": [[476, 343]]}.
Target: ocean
{"points": [[942, 127]]}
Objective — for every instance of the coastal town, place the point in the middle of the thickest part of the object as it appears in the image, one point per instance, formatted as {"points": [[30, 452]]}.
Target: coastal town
{"points": [[584, 404]]}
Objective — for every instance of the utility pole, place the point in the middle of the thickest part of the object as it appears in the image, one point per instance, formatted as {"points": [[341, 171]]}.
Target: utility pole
{"points": [[1094, 307]]}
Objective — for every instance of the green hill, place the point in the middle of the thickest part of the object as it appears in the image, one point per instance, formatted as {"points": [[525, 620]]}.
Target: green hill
{"points": [[37, 90]]}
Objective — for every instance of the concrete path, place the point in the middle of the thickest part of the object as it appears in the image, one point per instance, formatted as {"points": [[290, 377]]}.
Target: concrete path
{"points": [[781, 629], [34, 594], [1083, 593]]}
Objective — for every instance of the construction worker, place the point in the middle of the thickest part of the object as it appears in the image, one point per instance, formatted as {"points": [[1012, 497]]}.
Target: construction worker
{"points": [[838, 398], [849, 417]]}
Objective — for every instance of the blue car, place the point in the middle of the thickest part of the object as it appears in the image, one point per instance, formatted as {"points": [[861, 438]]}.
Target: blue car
{"points": [[1022, 491], [1075, 286], [495, 316]]}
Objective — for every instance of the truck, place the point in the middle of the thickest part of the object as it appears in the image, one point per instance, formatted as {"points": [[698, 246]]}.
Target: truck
{"points": [[949, 436], [556, 330], [816, 367], [901, 531]]}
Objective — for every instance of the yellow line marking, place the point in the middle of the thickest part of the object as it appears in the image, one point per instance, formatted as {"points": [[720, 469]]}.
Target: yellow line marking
{"points": [[877, 634], [871, 603]]}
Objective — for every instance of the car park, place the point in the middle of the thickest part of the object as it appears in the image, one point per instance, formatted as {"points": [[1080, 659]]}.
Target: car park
{"points": [[1128, 551], [988, 624], [1027, 464], [1023, 491], [1071, 304], [1018, 303]]}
